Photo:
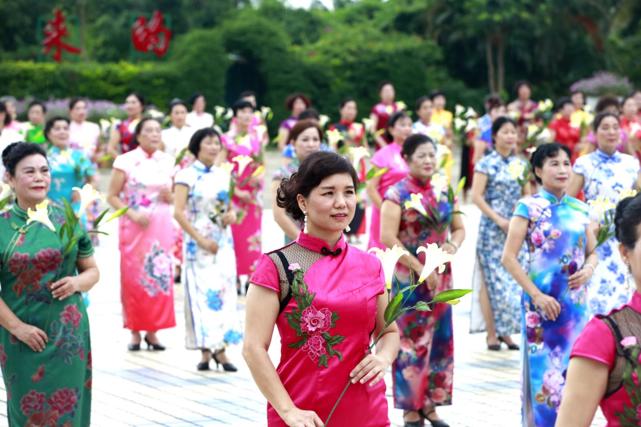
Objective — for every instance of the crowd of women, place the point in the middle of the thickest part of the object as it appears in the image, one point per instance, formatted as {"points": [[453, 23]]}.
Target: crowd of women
{"points": [[556, 262]]}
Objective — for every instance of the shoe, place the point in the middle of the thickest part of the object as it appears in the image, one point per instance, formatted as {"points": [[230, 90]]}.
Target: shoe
{"points": [[509, 346], [133, 347], [434, 423], [494, 347], [203, 366], [154, 346], [413, 423], [227, 367]]}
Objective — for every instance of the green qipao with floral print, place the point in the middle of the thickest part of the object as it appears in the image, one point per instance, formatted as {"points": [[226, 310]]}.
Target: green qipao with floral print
{"points": [[53, 387]]}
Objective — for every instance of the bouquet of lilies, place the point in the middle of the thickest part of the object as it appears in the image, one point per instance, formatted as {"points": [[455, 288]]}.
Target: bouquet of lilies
{"points": [[438, 217], [222, 116], [538, 131], [465, 124], [436, 260], [605, 210], [519, 171]]}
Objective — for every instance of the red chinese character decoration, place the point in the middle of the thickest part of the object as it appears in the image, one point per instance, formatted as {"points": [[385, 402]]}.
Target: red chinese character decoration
{"points": [[54, 33], [151, 36]]}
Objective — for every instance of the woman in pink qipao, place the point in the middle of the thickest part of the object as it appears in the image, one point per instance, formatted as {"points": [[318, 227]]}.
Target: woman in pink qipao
{"points": [[325, 325]]}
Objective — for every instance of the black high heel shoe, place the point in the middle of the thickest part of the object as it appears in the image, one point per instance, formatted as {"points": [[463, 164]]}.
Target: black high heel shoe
{"points": [[494, 347], [203, 366], [154, 346], [509, 346], [227, 366], [133, 347], [434, 423]]}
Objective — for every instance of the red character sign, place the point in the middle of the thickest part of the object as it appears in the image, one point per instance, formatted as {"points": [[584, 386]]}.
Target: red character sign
{"points": [[151, 36], [54, 33]]}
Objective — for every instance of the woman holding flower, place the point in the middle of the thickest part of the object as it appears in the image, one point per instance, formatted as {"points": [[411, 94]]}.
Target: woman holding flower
{"points": [[243, 147], [122, 139], [417, 212], [389, 158], [70, 168], [500, 180], [606, 176], [45, 350], [201, 207], [559, 236], [306, 137], [141, 180], [604, 365], [327, 299], [382, 112]]}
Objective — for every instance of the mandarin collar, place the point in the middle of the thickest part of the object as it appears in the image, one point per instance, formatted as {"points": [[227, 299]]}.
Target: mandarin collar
{"points": [[426, 185], [146, 155], [201, 166], [319, 245], [551, 197], [635, 301], [603, 156]]}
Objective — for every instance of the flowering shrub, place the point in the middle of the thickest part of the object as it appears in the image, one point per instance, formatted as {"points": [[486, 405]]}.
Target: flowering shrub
{"points": [[603, 83]]}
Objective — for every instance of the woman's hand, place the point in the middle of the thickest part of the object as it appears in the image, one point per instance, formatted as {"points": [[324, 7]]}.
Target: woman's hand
{"points": [[165, 195], [243, 195], [65, 287], [139, 218], [208, 245], [33, 337], [581, 277], [299, 418], [504, 224], [372, 368], [432, 281], [450, 248], [229, 217], [551, 307]]}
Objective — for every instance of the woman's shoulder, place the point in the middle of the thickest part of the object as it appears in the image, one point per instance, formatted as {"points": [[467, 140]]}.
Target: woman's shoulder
{"points": [[368, 262]]}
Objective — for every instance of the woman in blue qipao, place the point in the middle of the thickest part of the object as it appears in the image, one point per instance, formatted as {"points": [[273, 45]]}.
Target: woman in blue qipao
{"points": [[561, 243]]}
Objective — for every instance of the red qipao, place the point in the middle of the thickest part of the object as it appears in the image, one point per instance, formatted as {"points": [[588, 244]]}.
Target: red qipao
{"points": [[146, 270], [347, 284]]}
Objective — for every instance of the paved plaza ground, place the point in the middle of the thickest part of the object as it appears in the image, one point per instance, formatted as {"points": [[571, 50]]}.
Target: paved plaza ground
{"points": [[164, 389]]}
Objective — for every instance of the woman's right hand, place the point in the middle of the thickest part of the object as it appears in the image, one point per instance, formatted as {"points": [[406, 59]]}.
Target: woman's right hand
{"points": [[139, 218], [504, 224], [299, 418], [208, 245], [33, 337], [550, 306]]}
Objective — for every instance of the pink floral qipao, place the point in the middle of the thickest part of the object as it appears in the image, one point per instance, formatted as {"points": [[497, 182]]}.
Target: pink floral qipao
{"points": [[146, 269], [345, 286], [387, 157]]}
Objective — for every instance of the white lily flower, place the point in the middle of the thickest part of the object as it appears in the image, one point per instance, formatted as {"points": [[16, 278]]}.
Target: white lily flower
{"points": [[219, 111], [229, 114], [333, 137], [516, 169], [470, 113], [624, 194], [357, 154], [369, 125], [435, 259], [104, 125], [227, 167], [400, 105], [265, 112], [322, 120], [389, 257], [5, 190], [416, 203], [439, 183], [459, 123], [88, 195], [471, 125], [40, 215], [459, 110], [261, 130], [242, 162], [601, 205]]}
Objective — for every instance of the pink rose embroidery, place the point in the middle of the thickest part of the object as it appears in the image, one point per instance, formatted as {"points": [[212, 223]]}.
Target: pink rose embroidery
{"points": [[438, 395], [63, 400], [629, 341], [70, 314], [162, 264], [538, 238], [314, 347], [316, 321], [532, 319], [294, 266], [32, 402]]}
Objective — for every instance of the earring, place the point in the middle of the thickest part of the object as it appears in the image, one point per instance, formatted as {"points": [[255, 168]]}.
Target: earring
{"points": [[305, 222], [347, 229]]}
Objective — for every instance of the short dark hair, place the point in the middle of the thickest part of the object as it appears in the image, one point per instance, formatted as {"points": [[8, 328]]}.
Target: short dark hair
{"points": [[492, 101], [192, 99], [626, 221], [500, 122], [241, 104], [599, 118], [311, 173], [421, 100], [436, 93], [411, 144], [521, 83], [546, 151], [36, 102], [73, 101], [289, 101], [177, 101], [197, 139], [51, 123], [346, 100], [7, 116], [301, 126], [605, 102], [15, 152], [139, 97], [309, 113], [246, 93], [392, 121], [562, 102]]}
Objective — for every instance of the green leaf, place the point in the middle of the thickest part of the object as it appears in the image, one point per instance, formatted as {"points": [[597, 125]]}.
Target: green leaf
{"points": [[120, 212], [298, 344], [70, 246], [375, 172], [4, 202], [322, 361], [96, 222], [392, 308], [450, 294], [180, 156], [422, 306]]}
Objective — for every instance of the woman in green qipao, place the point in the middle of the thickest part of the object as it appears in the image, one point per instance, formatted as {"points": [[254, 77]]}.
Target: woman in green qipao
{"points": [[45, 353]]}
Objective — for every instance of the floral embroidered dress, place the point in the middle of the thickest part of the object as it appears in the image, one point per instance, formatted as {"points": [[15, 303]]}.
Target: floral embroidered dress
{"points": [[423, 371], [502, 193], [211, 319], [146, 271], [607, 178], [556, 240], [69, 168], [387, 157], [247, 234], [383, 112], [126, 130], [85, 137], [345, 285], [51, 388]]}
